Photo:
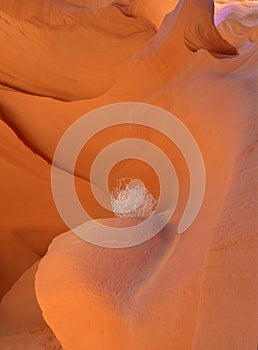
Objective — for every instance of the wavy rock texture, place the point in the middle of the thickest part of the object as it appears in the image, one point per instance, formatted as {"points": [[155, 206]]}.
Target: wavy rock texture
{"points": [[22, 324], [61, 59]]}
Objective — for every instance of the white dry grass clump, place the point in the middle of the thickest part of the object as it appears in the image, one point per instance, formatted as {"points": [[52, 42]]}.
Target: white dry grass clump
{"points": [[132, 199]]}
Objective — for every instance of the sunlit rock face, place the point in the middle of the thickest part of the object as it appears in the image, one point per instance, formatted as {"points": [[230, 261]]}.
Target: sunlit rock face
{"points": [[63, 59]]}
